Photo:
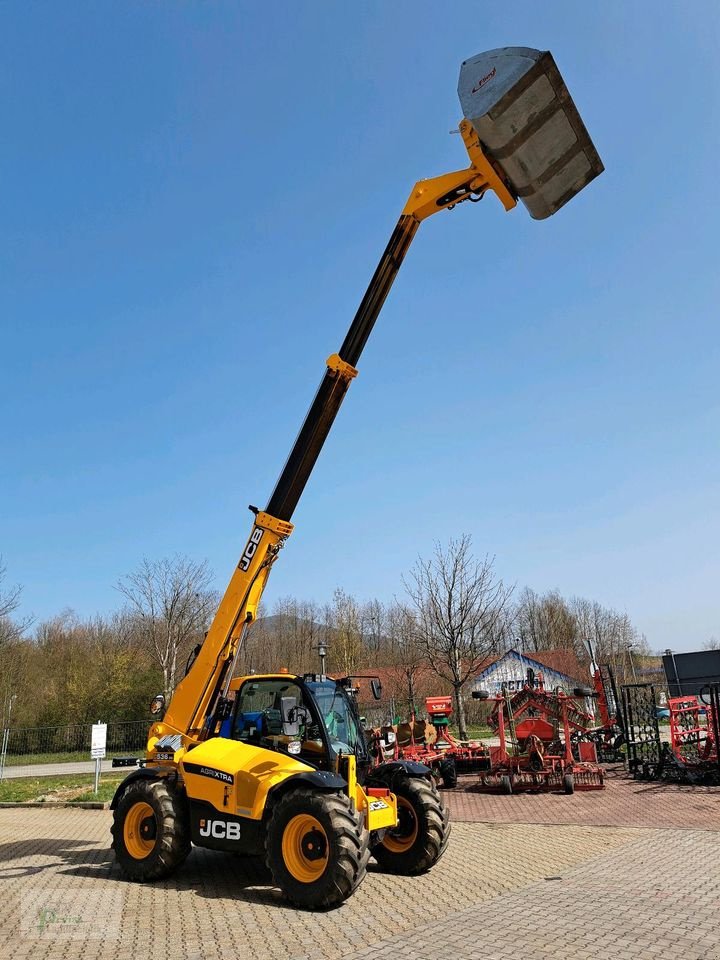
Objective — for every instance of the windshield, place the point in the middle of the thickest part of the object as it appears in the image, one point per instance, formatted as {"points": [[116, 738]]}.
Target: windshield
{"points": [[337, 713]]}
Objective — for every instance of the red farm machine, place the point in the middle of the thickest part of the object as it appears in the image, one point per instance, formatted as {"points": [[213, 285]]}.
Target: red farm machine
{"points": [[695, 735], [542, 742], [430, 742]]}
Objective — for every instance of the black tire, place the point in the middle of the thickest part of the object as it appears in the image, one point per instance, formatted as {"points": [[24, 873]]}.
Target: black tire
{"points": [[569, 783], [165, 831], [448, 773], [341, 840], [506, 784], [422, 835]]}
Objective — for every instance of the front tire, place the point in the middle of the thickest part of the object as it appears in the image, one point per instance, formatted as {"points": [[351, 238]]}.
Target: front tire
{"points": [[317, 848], [423, 830], [151, 832]]}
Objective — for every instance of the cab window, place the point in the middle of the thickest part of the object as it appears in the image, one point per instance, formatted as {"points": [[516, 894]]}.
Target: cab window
{"points": [[258, 714]]}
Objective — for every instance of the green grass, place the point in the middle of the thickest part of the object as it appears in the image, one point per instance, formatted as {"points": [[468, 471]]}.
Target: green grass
{"points": [[474, 733], [73, 756], [21, 760], [68, 787]]}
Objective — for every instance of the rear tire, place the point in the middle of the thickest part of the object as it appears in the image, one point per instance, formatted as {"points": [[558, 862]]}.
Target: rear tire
{"points": [[422, 835], [569, 783], [448, 773], [151, 831], [316, 848], [506, 785]]}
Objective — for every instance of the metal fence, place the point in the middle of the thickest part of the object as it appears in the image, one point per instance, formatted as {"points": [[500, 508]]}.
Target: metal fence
{"points": [[71, 742]]}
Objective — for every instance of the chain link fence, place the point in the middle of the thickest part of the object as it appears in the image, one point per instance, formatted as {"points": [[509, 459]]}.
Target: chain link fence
{"points": [[24, 746]]}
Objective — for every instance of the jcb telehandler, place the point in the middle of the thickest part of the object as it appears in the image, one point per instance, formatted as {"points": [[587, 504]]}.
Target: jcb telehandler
{"points": [[277, 765]]}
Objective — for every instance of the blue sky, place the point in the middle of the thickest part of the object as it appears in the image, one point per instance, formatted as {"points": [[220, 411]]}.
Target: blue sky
{"points": [[194, 198]]}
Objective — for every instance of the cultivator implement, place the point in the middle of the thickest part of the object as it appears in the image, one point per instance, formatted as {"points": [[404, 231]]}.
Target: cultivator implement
{"points": [[691, 756], [414, 740], [468, 755], [537, 750], [610, 737], [695, 734]]}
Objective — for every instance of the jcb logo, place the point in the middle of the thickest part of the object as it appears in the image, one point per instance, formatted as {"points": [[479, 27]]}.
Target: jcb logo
{"points": [[219, 829], [378, 805], [252, 545]]}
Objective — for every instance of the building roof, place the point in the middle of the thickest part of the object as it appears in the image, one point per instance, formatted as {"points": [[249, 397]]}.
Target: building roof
{"points": [[563, 662]]}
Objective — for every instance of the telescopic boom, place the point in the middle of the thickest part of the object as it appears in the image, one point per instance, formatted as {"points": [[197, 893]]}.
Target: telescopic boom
{"points": [[544, 170]]}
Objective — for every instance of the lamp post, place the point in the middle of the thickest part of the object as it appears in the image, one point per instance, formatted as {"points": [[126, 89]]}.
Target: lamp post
{"points": [[678, 687], [632, 662], [322, 653]]}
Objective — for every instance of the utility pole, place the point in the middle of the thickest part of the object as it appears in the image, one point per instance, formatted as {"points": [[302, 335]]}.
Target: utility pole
{"points": [[632, 662], [322, 653]]}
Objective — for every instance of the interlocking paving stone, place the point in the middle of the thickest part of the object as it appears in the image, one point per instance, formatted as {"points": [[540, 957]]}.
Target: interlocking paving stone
{"points": [[623, 891], [623, 802]]}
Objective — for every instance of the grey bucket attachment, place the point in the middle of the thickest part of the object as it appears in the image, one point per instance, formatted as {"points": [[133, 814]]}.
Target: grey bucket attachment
{"points": [[529, 126]]}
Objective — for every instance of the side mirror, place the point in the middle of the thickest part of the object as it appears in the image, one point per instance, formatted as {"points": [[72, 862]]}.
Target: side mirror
{"points": [[289, 713], [376, 688], [481, 694], [157, 706]]}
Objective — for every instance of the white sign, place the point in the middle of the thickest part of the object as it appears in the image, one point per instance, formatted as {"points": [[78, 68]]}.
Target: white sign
{"points": [[98, 739]]}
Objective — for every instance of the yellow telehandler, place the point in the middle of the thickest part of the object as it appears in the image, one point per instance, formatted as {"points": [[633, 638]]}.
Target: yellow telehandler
{"points": [[277, 765]]}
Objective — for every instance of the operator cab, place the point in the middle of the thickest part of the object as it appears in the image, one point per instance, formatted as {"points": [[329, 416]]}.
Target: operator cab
{"points": [[311, 718]]}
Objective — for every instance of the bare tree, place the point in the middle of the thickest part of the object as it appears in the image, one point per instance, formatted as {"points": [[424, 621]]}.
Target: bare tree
{"points": [[459, 603], [406, 656], [343, 625], [171, 602], [10, 628], [546, 622], [288, 636]]}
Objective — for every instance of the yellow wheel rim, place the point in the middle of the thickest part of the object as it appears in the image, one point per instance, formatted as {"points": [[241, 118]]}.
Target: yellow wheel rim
{"points": [[140, 830], [405, 834], [305, 848]]}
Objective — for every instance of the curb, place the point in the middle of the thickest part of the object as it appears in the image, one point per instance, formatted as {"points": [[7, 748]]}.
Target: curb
{"points": [[46, 804]]}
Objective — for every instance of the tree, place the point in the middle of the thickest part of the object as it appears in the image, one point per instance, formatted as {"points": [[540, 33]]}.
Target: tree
{"points": [[13, 650], [546, 622], [459, 604], [287, 637], [343, 624], [406, 655], [10, 629], [170, 602]]}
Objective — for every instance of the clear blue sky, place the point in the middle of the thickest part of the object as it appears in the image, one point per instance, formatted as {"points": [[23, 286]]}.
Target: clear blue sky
{"points": [[194, 196]]}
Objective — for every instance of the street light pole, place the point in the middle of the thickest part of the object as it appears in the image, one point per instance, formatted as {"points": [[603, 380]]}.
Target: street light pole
{"points": [[632, 662], [322, 652]]}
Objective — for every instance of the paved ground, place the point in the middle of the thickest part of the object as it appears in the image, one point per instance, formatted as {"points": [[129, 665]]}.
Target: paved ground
{"points": [[624, 802], [54, 769], [503, 889]]}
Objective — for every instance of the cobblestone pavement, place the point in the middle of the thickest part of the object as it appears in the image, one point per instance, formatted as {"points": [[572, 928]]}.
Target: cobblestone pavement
{"points": [[502, 890], [624, 802]]}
